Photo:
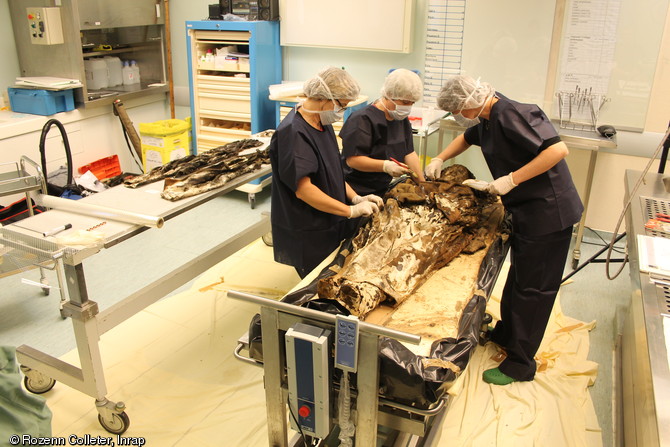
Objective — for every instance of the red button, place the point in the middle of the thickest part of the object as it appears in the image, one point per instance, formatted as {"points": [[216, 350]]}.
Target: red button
{"points": [[30, 16], [304, 411]]}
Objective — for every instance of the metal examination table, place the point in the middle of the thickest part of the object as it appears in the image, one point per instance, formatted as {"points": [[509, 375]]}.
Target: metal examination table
{"points": [[89, 322]]}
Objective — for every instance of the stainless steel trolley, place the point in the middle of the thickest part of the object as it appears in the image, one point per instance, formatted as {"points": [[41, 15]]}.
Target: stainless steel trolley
{"points": [[15, 179]]}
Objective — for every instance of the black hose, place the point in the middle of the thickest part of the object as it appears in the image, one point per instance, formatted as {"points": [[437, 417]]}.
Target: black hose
{"points": [[66, 143], [68, 155]]}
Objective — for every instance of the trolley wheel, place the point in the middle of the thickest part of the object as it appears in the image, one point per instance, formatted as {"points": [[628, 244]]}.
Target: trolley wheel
{"points": [[120, 423], [45, 290], [267, 238], [39, 384]]}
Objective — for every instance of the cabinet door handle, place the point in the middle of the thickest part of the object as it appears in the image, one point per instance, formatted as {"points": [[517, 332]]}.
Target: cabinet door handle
{"points": [[158, 10]]}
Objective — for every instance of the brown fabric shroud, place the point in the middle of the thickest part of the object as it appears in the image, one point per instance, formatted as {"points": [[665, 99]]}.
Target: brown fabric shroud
{"points": [[420, 229]]}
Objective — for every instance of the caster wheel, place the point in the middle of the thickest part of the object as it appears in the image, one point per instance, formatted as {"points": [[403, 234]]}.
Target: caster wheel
{"points": [[39, 385], [45, 290], [119, 425], [267, 239]]}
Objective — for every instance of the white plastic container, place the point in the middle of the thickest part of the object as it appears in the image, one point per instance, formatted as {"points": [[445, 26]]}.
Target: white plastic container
{"points": [[128, 74], [136, 72], [97, 76], [114, 67]]}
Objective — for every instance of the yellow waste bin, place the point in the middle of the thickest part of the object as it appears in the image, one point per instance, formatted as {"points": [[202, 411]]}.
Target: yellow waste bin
{"points": [[164, 141]]}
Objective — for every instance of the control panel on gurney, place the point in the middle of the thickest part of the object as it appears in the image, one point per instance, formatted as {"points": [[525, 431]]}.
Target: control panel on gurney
{"points": [[309, 368], [301, 349]]}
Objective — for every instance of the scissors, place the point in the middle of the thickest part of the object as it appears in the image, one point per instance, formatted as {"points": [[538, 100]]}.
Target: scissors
{"points": [[412, 174]]}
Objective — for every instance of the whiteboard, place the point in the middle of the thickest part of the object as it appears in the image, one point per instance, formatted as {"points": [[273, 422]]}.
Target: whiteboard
{"points": [[377, 25], [507, 44]]}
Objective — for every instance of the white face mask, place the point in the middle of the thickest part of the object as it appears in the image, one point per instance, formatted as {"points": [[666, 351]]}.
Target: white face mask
{"points": [[329, 116], [400, 112], [467, 122]]}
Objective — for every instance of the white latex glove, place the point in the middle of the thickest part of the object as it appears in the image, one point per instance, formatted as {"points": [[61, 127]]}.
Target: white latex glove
{"points": [[434, 168], [394, 170], [368, 198], [500, 186], [362, 209]]}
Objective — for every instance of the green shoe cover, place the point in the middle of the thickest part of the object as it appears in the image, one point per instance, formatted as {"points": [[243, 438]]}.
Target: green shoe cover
{"points": [[496, 377]]}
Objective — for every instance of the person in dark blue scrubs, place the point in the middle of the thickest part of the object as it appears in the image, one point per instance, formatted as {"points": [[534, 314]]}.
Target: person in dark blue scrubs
{"points": [[310, 212], [526, 158], [381, 131]]}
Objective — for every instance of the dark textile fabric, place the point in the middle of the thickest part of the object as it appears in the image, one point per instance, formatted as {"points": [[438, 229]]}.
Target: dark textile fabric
{"points": [[514, 135], [532, 284], [302, 235], [367, 132]]}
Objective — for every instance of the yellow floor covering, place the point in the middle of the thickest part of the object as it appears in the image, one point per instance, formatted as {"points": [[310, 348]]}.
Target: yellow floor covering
{"points": [[173, 366], [554, 410]]}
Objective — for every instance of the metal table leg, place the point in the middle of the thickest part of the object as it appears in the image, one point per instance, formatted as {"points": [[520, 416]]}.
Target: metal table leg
{"points": [[576, 252]]}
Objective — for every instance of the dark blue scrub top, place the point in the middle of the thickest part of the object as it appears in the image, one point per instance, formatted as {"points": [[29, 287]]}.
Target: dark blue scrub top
{"points": [[514, 134], [367, 132], [303, 236]]}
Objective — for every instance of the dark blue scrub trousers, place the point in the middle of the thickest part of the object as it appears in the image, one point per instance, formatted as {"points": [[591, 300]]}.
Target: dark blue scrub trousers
{"points": [[537, 264]]}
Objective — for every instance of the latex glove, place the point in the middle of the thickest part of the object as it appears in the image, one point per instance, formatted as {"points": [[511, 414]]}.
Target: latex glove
{"points": [[368, 198], [500, 186], [434, 168], [394, 170], [362, 209]]}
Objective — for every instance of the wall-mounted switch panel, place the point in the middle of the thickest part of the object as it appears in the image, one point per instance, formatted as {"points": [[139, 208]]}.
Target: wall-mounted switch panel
{"points": [[45, 25]]}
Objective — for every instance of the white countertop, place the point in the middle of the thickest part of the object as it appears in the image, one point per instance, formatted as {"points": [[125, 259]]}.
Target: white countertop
{"points": [[13, 123]]}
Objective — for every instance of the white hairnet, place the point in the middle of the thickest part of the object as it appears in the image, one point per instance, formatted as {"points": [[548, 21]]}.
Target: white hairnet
{"points": [[402, 84], [332, 83], [463, 92]]}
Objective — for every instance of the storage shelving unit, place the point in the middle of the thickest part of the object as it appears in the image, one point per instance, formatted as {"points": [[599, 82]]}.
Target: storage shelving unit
{"points": [[130, 30], [229, 99]]}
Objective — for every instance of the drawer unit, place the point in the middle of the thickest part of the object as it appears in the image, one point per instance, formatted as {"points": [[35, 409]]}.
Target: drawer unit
{"points": [[218, 101], [231, 66]]}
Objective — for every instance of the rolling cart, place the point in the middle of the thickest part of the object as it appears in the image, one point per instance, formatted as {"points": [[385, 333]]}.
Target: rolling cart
{"points": [[15, 179]]}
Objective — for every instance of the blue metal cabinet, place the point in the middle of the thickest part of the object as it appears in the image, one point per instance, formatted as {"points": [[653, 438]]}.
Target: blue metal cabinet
{"points": [[229, 96]]}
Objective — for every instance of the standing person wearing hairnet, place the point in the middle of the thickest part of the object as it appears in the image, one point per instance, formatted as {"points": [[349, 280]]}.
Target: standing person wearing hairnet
{"points": [[526, 158], [310, 209], [379, 132]]}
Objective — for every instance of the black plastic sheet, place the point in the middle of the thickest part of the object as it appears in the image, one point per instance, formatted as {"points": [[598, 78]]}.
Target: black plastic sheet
{"points": [[403, 376]]}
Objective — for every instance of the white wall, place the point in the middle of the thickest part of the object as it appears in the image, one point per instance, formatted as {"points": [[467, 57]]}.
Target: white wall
{"points": [[369, 68]]}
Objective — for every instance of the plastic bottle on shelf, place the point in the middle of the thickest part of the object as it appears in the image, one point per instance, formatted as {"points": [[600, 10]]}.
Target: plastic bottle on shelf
{"points": [[115, 69], [136, 72], [127, 74], [97, 75]]}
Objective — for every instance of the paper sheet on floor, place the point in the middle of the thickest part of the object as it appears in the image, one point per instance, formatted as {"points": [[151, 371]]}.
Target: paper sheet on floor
{"points": [[173, 365], [554, 410]]}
